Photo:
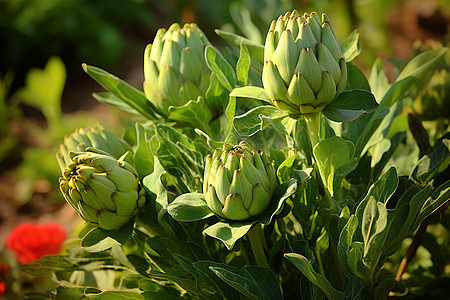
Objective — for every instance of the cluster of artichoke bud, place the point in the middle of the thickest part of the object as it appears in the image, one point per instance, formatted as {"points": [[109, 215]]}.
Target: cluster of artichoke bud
{"points": [[95, 136], [105, 191], [175, 69], [238, 182], [304, 69]]}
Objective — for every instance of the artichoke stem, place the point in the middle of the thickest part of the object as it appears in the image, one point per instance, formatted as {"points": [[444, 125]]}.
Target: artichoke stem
{"points": [[313, 122], [255, 235]]}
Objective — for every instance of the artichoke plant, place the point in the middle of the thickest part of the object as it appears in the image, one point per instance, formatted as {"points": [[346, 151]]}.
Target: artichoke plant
{"points": [[175, 70], [238, 182], [95, 136], [105, 191], [304, 69]]}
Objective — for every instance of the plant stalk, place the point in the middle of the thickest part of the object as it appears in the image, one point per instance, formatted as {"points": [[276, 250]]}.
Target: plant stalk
{"points": [[254, 235], [313, 122]]}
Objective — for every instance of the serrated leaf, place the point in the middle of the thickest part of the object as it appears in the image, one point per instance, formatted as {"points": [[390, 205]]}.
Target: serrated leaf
{"points": [[195, 113]]}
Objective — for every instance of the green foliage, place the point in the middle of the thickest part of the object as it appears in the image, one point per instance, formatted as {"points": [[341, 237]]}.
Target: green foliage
{"points": [[334, 227]]}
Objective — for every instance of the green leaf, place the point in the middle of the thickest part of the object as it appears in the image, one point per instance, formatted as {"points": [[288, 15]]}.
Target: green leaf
{"points": [[305, 266], [257, 119], [189, 207], [228, 233], [195, 113], [207, 277], [433, 163], [243, 65], [379, 83], [282, 192], [216, 94], [253, 282], [252, 92], [113, 100], [356, 78], [47, 265], [345, 244], [219, 66], [331, 154], [114, 295], [350, 105], [242, 18], [97, 240], [143, 156], [256, 50], [416, 69], [437, 199], [351, 47], [43, 89], [122, 90]]}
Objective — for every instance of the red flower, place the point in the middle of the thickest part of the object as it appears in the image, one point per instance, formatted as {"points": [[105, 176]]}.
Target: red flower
{"points": [[32, 241], [3, 275]]}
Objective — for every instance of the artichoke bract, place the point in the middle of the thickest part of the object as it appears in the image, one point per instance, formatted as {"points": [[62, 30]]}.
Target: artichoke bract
{"points": [[175, 69], [238, 182], [105, 191], [304, 69], [95, 136]]}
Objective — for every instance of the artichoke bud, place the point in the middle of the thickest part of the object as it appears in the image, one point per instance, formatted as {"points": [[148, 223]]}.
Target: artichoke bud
{"points": [[298, 49], [238, 183], [173, 65], [95, 136], [99, 187]]}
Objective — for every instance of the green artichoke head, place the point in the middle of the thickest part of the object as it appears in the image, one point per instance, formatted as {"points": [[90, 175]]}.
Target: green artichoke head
{"points": [[175, 69], [238, 182], [304, 69], [95, 136], [105, 191]]}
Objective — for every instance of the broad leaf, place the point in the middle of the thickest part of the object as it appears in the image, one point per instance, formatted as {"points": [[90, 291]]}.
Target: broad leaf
{"points": [[345, 244], [252, 92], [228, 233], [356, 80], [122, 90], [98, 240], [253, 282], [256, 50], [243, 65], [351, 47], [189, 207], [219, 66], [256, 120], [305, 266], [433, 163], [113, 100], [195, 113], [283, 192], [332, 154], [143, 156], [350, 105]]}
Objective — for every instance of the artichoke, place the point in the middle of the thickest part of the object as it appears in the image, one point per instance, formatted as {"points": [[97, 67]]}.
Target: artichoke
{"points": [[175, 70], [304, 69], [238, 182], [103, 190], [95, 136]]}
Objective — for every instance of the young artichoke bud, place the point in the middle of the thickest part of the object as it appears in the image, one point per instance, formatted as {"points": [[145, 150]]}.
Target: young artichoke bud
{"points": [[238, 182], [95, 136], [175, 70], [304, 69], [105, 191]]}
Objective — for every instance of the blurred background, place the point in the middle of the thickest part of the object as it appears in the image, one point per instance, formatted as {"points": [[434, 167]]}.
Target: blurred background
{"points": [[44, 93]]}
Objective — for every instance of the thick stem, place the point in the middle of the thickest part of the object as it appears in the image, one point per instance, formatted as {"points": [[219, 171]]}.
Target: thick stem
{"points": [[313, 122], [254, 235]]}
